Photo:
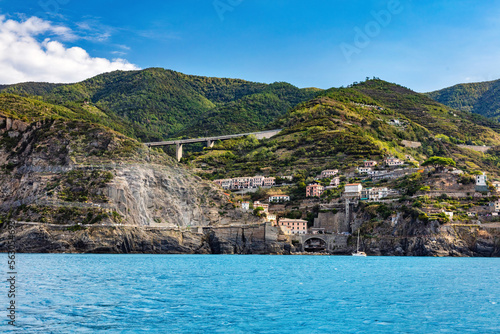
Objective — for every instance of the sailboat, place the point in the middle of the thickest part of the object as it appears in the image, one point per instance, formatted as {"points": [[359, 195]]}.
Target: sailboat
{"points": [[358, 253]]}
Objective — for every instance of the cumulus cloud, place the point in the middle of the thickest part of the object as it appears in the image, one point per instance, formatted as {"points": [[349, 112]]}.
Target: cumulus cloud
{"points": [[24, 58]]}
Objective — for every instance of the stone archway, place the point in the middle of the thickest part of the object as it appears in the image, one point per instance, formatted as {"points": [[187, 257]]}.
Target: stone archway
{"points": [[315, 245]]}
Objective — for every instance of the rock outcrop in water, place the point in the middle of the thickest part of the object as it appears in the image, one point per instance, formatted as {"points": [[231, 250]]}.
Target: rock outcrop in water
{"points": [[249, 239]]}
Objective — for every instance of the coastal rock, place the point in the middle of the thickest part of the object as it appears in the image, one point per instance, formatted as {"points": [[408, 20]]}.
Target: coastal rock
{"points": [[128, 240]]}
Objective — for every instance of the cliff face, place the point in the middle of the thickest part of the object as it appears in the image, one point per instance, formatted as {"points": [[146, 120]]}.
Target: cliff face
{"points": [[250, 239], [62, 172], [401, 234]]}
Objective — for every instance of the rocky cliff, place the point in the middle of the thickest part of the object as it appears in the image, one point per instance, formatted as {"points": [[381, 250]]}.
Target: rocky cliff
{"points": [[73, 186], [74, 173], [403, 234], [249, 239]]}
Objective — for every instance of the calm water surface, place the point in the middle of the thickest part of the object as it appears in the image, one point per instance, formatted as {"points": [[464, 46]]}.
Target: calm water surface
{"points": [[63, 293]]}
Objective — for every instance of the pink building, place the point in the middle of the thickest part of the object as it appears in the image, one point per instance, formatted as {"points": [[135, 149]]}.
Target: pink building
{"points": [[314, 190], [335, 182], [257, 204], [224, 183], [269, 181], [293, 226], [370, 163], [258, 181]]}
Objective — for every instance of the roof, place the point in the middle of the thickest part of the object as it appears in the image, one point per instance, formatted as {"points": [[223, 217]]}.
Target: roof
{"points": [[293, 220], [353, 184]]}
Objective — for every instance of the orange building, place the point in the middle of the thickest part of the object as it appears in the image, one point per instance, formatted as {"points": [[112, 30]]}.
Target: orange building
{"points": [[314, 190], [293, 226]]}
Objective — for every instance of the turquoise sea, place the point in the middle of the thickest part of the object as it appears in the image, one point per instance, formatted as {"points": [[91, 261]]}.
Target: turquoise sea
{"points": [[69, 293]]}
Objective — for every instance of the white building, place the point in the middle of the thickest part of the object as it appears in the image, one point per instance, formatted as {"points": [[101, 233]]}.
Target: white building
{"points": [[279, 198], [245, 205], [481, 182], [374, 194], [353, 190], [364, 170], [495, 205], [328, 173], [395, 122], [271, 217], [393, 162], [481, 179]]}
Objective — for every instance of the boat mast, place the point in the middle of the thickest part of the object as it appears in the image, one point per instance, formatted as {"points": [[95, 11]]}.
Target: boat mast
{"points": [[357, 245]]}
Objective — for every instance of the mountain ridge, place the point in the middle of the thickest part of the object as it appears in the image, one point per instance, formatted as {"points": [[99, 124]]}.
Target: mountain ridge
{"points": [[156, 104], [343, 126], [478, 97]]}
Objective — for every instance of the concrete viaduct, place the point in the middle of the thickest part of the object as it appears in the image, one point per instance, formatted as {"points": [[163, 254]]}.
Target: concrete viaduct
{"points": [[210, 140]]}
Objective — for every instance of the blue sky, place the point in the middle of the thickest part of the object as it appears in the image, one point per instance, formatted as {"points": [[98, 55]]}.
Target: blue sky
{"points": [[424, 45]]}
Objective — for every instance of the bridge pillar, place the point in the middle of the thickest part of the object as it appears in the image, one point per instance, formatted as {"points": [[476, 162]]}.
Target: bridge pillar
{"points": [[178, 151], [210, 143]]}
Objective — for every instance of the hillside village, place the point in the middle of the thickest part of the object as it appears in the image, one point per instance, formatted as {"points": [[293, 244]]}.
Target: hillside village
{"points": [[444, 194]]}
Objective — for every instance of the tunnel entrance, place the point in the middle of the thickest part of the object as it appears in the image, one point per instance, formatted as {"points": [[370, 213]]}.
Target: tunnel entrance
{"points": [[314, 245]]}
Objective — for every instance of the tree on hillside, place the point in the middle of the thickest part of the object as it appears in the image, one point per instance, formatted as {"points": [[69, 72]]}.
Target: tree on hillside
{"points": [[439, 162]]}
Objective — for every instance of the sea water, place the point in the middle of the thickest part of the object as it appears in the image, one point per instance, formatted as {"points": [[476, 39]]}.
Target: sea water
{"points": [[69, 293]]}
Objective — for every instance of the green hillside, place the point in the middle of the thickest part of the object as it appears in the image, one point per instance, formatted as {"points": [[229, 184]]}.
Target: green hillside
{"points": [[342, 127], [334, 128], [251, 112], [59, 136], [156, 104], [480, 97]]}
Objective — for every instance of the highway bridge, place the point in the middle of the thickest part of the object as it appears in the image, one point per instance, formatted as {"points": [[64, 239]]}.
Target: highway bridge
{"points": [[210, 140]]}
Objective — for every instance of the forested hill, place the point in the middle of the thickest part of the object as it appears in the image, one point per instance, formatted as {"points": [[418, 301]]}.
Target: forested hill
{"points": [[481, 97], [155, 103], [342, 127]]}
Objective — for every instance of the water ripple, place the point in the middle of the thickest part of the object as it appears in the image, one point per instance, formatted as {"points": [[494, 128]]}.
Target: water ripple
{"points": [[63, 293]]}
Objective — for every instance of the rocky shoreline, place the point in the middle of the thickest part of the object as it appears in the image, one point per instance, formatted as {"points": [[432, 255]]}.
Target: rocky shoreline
{"points": [[252, 239]]}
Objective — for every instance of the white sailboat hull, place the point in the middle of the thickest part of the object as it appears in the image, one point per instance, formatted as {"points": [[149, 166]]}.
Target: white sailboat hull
{"points": [[359, 254]]}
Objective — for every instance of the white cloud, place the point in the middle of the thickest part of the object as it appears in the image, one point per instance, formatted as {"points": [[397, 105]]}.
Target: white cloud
{"points": [[24, 58]]}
